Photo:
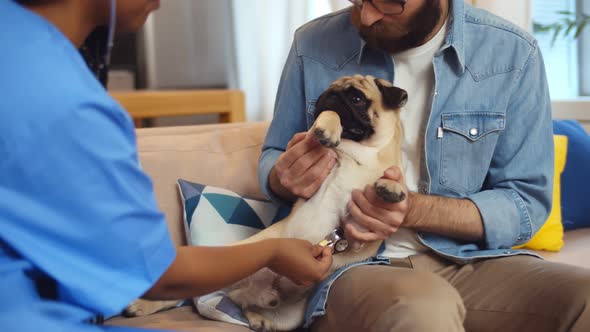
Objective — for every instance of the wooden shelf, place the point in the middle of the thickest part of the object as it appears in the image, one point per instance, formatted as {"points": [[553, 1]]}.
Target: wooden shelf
{"points": [[146, 104]]}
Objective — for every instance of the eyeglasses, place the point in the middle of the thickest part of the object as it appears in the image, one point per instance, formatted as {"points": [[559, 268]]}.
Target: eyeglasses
{"points": [[387, 7]]}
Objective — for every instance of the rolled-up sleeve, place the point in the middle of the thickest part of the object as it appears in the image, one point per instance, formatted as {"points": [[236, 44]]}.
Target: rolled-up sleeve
{"points": [[289, 118], [516, 199]]}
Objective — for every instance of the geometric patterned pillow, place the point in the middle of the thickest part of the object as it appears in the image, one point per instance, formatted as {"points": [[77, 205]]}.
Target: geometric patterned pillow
{"points": [[214, 217]]}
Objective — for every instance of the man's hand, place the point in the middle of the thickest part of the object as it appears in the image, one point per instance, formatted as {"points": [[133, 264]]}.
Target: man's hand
{"points": [[302, 168], [300, 261], [371, 218]]}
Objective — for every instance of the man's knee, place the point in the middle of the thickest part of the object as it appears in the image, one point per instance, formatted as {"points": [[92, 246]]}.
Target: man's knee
{"points": [[393, 299], [424, 302], [578, 310]]}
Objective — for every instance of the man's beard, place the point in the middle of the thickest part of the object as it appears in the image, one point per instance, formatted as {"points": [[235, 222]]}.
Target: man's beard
{"points": [[383, 37]]}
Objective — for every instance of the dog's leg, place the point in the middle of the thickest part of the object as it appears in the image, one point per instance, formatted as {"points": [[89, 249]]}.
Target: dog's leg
{"points": [[258, 322], [144, 307], [256, 290], [275, 230], [287, 317], [327, 128], [390, 191], [291, 315]]}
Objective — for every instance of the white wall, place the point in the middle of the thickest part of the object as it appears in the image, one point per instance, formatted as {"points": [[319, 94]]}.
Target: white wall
{"points": [[516, 11], [339, 4]]}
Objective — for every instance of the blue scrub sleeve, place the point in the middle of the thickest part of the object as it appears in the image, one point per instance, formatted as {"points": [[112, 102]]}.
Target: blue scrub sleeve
{"points": [[78, 206]]}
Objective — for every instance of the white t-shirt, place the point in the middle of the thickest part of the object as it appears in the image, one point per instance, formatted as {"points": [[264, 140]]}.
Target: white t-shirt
{"points": [[414, 72]]}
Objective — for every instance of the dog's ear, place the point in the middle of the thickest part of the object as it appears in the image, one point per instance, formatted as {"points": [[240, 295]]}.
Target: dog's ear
{"points": [[393, 97]]}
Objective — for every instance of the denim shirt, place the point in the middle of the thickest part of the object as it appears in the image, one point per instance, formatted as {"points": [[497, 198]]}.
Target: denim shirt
{"points": [[488, 137]]}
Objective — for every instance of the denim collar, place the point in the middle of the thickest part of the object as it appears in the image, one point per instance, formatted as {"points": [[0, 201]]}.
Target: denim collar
{"points": [[454, 39]]}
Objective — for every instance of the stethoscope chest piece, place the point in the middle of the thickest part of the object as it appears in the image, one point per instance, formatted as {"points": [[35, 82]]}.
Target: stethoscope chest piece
{"points": [[336, 240]]}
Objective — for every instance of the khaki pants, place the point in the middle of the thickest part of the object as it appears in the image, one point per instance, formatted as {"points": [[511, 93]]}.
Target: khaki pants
{"points": [[425, 293]]}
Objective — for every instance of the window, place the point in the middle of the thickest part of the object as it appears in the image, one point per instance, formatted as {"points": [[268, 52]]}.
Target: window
{"points": [[567, 60], [584, 51]]}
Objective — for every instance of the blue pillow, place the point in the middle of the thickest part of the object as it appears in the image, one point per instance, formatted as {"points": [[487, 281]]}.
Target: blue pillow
{"points": [[575, 180], [215, 216]]}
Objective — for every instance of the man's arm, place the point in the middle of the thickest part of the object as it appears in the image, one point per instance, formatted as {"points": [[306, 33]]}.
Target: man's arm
{"points": [[456, 218], [288, 119], [292, 165], [516, 198]]}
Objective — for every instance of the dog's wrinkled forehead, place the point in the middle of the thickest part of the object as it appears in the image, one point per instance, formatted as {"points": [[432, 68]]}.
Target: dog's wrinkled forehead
{"points": [[364, 84], [373, 89]]}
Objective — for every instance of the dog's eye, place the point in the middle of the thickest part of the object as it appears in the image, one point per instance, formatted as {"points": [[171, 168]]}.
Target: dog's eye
{"points": [[357, 99]]}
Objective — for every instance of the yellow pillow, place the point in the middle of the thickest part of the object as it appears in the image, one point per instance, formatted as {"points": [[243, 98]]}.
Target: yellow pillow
{"points": [[550, 236]]}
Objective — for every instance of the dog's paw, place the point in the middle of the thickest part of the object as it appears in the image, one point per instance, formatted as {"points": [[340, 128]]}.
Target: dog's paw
{"points": [[327, 138], [144, 307], [327, 129], [390, 191], [258, 323]]}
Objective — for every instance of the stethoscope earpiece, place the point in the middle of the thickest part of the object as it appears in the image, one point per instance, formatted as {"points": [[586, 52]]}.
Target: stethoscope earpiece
{"points": [[111, 33]]}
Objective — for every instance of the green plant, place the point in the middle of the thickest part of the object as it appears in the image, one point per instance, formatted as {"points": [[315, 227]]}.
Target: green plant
{"points": [[568, 23]]}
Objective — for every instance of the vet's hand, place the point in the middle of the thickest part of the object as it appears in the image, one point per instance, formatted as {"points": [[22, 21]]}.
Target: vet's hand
{"points": [[302, 168], [302, 262], [371, 218]]}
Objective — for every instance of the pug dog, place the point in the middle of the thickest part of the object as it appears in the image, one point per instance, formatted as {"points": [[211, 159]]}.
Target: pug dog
{"points": [[357, 117]]}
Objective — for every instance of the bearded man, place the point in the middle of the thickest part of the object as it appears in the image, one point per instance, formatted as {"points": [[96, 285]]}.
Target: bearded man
{"points": [[478, 167]]}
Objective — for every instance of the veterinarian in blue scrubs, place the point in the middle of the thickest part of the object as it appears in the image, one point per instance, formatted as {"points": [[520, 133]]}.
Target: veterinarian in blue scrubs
{"points": [[80, 231]]}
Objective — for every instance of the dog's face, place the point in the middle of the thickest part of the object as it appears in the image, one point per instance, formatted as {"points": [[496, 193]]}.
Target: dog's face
{"points": [[368, 107]]}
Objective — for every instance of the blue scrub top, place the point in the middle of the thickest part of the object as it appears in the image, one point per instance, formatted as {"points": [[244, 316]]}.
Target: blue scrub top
{"points": [[80, 231]]}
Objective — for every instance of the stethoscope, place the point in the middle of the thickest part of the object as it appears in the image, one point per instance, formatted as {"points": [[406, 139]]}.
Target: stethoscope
{"points": [[111, 35], [336, 240]]}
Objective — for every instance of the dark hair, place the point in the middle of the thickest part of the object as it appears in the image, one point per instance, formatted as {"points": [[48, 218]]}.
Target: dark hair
{"points": [[94, 51]]}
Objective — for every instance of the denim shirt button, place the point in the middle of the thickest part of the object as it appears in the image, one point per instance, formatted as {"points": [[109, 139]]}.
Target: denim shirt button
{"points": [[473, 132]]}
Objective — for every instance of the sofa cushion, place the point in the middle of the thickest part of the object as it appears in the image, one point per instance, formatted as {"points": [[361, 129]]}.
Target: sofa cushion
{"points": [[575, 251], [550, 236], [575, 181], [178, 319], [223, 155]]}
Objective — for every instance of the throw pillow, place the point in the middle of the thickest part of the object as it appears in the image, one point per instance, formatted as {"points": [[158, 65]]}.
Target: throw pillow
{"points": [[575, 181], [215, 216], [550, 236]]}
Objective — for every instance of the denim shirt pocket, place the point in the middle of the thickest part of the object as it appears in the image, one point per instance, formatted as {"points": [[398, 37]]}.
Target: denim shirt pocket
{"points": [[310, 112], [468, 143]]}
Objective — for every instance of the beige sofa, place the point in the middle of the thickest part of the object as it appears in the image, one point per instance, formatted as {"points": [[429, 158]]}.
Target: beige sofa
{"points": [[226, 156]]}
